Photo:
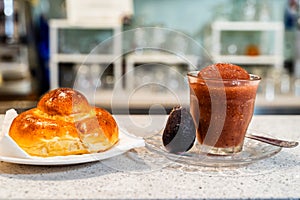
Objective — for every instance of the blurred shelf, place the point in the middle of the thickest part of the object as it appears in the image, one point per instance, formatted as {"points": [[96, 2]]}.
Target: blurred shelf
{"points": [[276, 59], [18, 105], [247, 26], [281, 104], [121, 100], [288, 101], [83, 58], [68, 24], [16, 87], [240, 59], [163, 58], [57, 57]]}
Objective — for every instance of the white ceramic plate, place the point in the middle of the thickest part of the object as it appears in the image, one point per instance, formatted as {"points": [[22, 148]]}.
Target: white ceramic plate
{"points": [[125, 143]]}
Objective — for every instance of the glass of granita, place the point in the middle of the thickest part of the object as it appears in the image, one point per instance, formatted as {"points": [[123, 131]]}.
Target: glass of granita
{"points": [[222, 99]]}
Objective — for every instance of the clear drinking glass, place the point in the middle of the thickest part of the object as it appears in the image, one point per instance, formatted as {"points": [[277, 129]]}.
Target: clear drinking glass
{"points": [[222, 110]]}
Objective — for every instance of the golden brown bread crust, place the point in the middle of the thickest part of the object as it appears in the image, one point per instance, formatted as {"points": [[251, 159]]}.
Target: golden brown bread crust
{"points": [[60, 102], [64, 124]]}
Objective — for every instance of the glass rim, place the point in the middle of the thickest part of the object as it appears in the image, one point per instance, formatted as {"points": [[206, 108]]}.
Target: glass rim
{"points": [[253, 77]]}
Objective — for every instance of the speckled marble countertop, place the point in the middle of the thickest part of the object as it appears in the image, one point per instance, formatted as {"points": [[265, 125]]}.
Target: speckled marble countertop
{"points": [[129, 176]]}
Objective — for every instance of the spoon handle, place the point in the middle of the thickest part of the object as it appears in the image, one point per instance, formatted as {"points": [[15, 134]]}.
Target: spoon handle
{"points": [[273, 141]]}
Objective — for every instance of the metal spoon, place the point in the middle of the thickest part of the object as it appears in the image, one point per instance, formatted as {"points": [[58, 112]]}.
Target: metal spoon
{"points": [[273, 141]]}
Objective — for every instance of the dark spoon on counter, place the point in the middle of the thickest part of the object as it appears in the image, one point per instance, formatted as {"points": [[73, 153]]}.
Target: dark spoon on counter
{"points": [[273, 141]]}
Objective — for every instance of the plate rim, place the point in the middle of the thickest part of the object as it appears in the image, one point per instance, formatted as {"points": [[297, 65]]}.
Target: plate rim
{"points": [[76, 159], [116, 150]]}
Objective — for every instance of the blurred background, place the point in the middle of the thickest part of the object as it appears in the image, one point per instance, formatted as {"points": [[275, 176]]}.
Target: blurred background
{"points": [[45, 44]]}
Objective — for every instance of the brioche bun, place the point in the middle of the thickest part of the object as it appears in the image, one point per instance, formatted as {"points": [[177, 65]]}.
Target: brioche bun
{"points": [[63, 123]]}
